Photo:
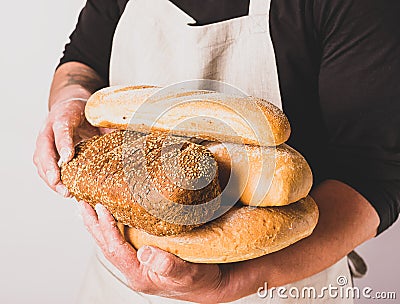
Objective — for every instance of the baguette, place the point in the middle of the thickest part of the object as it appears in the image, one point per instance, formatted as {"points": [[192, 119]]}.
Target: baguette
{"points": [[201, 114]]}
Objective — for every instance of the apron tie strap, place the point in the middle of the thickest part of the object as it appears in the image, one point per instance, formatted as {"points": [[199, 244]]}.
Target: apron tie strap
{"points": [[259, 7], [357, 265]]}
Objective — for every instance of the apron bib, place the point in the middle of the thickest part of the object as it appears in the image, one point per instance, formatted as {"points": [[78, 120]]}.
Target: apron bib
{"points": [[155, 44]]}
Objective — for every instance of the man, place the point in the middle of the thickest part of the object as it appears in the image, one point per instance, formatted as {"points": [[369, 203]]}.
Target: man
{"points": [[333, 66]]}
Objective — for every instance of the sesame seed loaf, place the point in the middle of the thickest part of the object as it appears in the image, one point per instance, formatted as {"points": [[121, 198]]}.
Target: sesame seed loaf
{"points": [[146, 181]]}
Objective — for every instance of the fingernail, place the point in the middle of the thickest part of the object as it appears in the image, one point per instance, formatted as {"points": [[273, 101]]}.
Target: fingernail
{"points": [[99, 209], [51, 177], [62, 190], [65, 153], [144, 254]]}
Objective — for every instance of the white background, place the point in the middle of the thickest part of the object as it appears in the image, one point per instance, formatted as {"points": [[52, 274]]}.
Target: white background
{"points": [[44, 249]]}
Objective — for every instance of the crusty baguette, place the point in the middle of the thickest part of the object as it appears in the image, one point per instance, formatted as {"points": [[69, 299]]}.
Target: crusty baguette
{"points": [[241, 234], [201, 114], [261, 176], [113, 107], [139, 179]]}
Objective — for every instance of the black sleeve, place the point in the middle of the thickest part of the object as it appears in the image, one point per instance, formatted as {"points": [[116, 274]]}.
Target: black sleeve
{"points": [[91, 41], [359, 90]]}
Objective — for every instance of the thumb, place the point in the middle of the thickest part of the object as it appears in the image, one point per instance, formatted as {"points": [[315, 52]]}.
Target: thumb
{"points": [[162, 262], [63, 133]]}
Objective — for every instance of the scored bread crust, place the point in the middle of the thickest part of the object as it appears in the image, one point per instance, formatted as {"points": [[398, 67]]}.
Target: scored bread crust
{"points": [[202, 114], [242, 233], [262, 176]]}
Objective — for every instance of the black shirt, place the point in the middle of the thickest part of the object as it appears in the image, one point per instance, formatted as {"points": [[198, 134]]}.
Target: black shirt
{"points": [[339, 72]]}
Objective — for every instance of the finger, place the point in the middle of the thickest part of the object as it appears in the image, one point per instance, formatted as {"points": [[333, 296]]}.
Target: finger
{"points": [[164, 263], [119, 252], [63, 138], [45, 158], [91, 223], [112, 236]]}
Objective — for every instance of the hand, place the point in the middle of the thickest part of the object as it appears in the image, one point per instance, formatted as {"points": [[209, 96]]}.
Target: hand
{"points": [[64, 127], [150, 269]]}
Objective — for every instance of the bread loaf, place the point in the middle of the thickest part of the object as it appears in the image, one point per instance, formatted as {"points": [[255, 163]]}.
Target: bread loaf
{"points": [[137, 188], [241, 234], [160, 188], [262, 176], [200, 114]]}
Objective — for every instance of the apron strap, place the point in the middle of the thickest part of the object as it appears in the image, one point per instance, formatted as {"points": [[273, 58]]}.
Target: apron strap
{"points": [[357, 265], [259, 7]]}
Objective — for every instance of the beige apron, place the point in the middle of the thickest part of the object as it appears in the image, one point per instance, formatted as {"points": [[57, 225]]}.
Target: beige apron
{"points": [[154, 43]]}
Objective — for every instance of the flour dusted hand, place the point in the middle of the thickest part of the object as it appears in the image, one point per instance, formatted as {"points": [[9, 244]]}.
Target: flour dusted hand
{"points": [[65, 126]]}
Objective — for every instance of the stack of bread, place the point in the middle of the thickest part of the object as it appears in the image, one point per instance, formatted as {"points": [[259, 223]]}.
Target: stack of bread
{"points": [[203, 175]]}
